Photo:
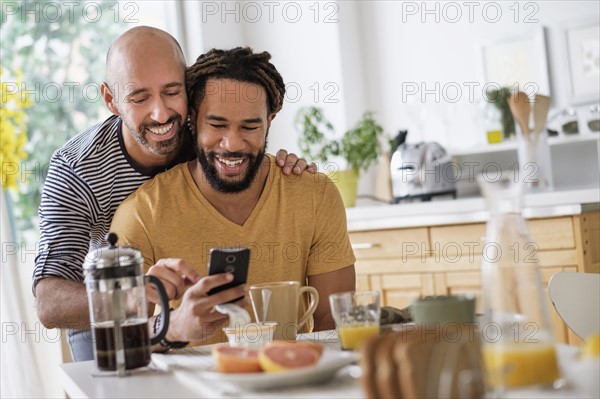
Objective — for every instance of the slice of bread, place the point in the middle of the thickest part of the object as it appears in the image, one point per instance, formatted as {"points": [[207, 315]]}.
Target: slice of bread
{"points": [[387, 368], [423, 363], [368, 365]]}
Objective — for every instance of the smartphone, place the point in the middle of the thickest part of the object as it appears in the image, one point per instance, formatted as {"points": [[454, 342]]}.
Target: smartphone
{"points": [[230, 259]]}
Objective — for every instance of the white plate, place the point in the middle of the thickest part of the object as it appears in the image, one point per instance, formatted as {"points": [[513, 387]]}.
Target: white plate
{"points": [[331, 361]]}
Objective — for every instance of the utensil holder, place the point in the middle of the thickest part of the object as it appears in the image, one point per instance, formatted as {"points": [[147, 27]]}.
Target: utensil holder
{"points": [[535, 163]]}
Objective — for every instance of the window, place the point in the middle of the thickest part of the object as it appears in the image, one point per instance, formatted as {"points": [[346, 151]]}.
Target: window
{"points": [[53, 54]]}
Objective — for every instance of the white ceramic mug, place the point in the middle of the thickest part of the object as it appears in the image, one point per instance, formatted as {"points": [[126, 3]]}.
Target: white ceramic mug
{"points": [[278, 302]]}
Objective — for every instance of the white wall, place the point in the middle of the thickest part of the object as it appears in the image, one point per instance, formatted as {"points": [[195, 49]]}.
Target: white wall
{"points": [[305, 48], [422, 50], [363, 53]]}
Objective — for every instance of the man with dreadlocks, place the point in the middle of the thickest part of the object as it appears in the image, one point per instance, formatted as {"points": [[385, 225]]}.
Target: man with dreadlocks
{"points": [[91, 174], [233, 195]]}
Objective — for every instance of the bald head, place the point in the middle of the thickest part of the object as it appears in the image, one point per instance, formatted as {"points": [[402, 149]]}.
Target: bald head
{"points": [[138, 44], [145, 86]]}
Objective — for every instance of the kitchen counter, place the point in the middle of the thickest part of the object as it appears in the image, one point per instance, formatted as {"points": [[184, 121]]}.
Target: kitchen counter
{"points": [[468, 210], [413, 250]]}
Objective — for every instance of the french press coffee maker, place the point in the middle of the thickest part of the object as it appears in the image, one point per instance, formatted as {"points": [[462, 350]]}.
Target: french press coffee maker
{"points": [[118, 308]]}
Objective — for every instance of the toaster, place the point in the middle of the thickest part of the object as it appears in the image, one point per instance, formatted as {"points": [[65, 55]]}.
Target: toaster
{"points": [[421, 170]]}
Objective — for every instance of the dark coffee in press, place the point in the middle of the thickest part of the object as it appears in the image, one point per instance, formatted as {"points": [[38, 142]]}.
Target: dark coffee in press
{"points": [[136, 342]]}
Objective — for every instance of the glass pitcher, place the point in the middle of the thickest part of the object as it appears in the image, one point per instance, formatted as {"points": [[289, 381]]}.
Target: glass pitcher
{"points": [[518, 344], [118, 308], [535, 161]]}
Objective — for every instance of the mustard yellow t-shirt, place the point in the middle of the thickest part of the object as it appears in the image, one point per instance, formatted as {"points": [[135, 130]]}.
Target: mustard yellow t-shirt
{"points": [[297, 229]]}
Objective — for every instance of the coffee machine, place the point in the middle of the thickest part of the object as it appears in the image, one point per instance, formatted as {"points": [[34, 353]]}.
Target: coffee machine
{"points": [[421, 171]]}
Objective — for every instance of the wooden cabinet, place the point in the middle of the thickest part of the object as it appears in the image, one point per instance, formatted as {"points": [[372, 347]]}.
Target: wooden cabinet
{"points": [[391, 261], [409, 263]]}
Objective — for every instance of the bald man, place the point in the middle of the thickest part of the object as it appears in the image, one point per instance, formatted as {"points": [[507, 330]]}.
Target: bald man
{"points": [[97, 169]]}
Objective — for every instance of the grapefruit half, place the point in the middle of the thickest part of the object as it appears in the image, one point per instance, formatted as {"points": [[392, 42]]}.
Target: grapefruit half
{"points": [[235, 360], [283, 356]]}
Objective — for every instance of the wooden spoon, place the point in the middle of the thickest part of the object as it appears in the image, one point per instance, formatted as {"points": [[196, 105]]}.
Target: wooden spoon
{"points": [[540, 112], [520, 107]]}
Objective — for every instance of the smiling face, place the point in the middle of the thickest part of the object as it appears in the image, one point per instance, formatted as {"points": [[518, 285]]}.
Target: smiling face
{"points": [[232, 124], [147, 89], [156, 123]]}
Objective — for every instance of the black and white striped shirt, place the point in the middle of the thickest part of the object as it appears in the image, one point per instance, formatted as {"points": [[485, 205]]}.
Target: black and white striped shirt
{"points": [[87, 180]]}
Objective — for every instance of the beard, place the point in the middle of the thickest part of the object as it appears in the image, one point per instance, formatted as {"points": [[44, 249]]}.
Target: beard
{"points": [[208, 159], [165, 147]]}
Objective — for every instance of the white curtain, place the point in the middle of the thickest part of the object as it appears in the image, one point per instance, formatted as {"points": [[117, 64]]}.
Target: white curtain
{"points": [[29, 353]]}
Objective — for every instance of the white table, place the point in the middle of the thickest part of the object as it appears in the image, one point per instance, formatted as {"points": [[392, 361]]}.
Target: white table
{"points": [[171, 382], [78, 382], [159, 382]]}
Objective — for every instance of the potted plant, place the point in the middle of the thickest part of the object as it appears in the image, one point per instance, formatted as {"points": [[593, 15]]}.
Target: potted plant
{"points": [[360, 147], [499, 97]]}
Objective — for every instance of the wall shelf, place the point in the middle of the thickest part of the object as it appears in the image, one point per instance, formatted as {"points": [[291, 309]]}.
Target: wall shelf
{"points": [[512, 144]]}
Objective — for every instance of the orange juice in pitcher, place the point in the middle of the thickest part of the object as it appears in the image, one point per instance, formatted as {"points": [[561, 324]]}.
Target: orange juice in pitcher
{"points": [[518, 346], [520, 364]]}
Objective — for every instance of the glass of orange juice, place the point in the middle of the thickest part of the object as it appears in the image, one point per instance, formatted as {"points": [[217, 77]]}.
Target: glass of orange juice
{"points": [[356, 315]]}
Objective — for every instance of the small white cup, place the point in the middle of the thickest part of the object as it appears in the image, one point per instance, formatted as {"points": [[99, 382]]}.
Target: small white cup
{"points": [[251, 335]]}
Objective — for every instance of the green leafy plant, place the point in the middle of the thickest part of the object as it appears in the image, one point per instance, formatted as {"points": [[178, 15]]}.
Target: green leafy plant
{"points": [[359, 146], [62, 64], [499, 98]]}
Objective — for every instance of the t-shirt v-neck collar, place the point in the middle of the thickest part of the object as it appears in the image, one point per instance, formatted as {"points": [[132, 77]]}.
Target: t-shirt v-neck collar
{"points": [[216, 214]]}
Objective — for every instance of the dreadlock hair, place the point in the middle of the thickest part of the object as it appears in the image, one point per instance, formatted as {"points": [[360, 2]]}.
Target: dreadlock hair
{"points": [[240, 64]]}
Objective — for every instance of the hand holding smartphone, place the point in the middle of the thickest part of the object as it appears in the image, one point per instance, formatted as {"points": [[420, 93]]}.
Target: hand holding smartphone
{"points": [[230, 259]]}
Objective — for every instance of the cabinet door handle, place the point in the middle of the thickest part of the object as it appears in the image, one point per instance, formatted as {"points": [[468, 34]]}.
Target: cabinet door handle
{"points": [[365, 245]]}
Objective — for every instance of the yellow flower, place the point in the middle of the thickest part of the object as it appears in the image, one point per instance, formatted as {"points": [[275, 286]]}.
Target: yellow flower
{"points": [[13, 129]]}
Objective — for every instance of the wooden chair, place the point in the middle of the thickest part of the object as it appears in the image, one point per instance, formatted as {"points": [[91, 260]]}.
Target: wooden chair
{"points": [[576, 297]]}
